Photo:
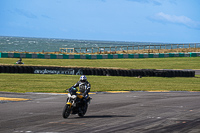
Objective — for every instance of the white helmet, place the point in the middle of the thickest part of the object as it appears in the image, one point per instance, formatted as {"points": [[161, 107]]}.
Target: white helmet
{"points": [[83, 78]]}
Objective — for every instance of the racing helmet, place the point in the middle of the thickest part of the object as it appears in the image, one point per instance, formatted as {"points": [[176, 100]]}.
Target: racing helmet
{"points": [[83, 78]]}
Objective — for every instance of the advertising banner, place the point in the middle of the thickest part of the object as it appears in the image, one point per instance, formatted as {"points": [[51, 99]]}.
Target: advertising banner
{"points": [[58, 71]]}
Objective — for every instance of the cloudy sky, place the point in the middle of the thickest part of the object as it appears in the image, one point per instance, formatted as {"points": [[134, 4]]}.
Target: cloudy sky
{"points": [[169, 21]]}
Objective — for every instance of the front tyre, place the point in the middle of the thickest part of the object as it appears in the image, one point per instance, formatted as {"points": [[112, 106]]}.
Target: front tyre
{"points": [[84, 110], [66, 111]]}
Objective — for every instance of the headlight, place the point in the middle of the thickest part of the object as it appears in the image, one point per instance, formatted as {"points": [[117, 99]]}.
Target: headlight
{"points": [[73, 97]]}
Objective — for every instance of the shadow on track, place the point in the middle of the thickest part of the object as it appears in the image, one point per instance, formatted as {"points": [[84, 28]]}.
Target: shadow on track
{"points": [[104, 116]]}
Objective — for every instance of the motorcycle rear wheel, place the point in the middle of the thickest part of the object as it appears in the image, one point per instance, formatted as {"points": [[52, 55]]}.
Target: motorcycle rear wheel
{"points": [[66, 111]]}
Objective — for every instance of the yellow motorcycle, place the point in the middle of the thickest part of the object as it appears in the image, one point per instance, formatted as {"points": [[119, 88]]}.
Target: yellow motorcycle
{"points": [[76, 104]]}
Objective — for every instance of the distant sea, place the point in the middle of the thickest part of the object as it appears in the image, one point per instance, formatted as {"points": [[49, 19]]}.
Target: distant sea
{"points": [[22, 44]]}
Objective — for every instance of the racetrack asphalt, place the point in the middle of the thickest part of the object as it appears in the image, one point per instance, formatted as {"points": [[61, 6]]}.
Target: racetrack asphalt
{"points": [[132, 112]]}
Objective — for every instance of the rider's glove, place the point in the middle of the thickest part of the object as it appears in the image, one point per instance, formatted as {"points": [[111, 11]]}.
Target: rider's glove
{"points": [[86, 96], [70, 89]]}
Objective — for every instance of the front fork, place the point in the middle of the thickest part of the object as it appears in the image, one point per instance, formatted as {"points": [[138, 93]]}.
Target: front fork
{"points": [[70, 104]]}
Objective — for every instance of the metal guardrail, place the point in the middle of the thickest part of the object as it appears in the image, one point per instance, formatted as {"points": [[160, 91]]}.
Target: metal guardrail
{"points": [[129, 48]]}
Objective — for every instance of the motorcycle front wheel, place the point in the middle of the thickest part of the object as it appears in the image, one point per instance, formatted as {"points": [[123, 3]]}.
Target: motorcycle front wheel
{"points": [[84, 110], [66, 111]]}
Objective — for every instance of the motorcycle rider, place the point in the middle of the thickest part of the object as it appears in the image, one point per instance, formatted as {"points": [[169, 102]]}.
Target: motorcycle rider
{"points": [[19, 61], [84, 87]]}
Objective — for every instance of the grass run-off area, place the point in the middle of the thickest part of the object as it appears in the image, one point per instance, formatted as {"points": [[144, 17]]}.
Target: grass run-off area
{"points": [[144, 63], [58, 83]]}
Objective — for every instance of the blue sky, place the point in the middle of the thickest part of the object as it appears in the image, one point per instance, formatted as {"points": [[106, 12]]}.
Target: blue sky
{"points": [[169, 21]]}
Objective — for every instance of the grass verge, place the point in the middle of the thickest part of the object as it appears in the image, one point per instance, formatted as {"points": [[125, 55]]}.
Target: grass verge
{"points": [[58, 83], [144, 63]]}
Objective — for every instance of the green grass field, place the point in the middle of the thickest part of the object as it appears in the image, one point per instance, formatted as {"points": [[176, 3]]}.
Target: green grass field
{"points": [[58, 83], [145, 63]]}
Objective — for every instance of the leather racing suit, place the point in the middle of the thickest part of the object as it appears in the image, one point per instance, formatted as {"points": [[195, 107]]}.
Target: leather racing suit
{"points": [[84, 88]]}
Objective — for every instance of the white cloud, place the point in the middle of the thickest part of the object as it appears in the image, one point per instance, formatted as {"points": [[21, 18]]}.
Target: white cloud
{"points": [[177, 20]]}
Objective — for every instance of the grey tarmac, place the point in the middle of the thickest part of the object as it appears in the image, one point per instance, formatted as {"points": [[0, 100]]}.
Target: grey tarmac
{"points": [[131, 112]]}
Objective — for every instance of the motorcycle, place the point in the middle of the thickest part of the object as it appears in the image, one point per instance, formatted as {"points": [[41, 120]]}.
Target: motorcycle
{"points": [[76, 104]]}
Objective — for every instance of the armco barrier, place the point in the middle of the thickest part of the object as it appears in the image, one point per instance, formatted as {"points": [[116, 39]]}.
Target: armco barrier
{"points": [[95, 71], [97, 56]]}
